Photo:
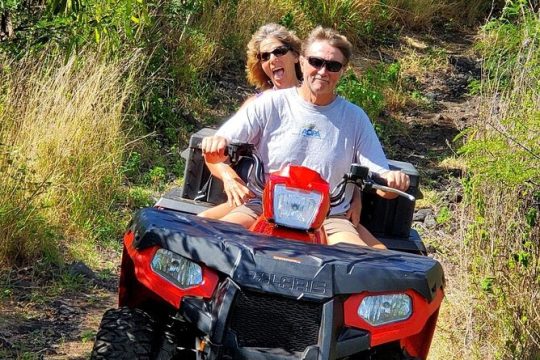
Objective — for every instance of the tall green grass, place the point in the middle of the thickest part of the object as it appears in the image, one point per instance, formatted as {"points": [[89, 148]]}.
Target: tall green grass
{"points": [[62, 141], [500, 256]]}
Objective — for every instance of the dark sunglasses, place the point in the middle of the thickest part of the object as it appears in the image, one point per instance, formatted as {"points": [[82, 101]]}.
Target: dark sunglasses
{"points": [[318, 63], [278, 52]]}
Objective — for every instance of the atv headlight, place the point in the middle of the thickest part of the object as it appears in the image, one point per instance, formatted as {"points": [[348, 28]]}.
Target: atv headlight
{"points": [[295, 208], [177, 269], [384, 309]]}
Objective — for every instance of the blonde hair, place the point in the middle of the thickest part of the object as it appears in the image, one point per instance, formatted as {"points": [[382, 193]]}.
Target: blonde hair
{"points": [[333, 38], [255, 73]]}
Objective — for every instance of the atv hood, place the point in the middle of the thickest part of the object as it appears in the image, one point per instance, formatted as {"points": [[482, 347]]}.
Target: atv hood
{"points": [[287, 267]]}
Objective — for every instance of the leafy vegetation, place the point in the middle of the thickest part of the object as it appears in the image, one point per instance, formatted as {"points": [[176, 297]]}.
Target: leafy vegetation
{"points": [[502, 196]]}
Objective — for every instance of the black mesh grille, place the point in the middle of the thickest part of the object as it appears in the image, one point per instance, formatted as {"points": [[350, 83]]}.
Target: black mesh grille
{"points": [[267, 321]]}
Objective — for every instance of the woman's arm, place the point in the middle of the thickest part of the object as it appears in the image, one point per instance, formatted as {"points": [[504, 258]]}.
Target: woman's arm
{"points": [[213, 148]]}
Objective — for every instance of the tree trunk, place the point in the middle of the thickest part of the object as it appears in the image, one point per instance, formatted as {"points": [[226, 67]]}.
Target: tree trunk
{"points": [[6, 26]]}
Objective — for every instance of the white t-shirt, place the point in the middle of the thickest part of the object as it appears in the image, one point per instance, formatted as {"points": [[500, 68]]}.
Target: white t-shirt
{"points": [[286, 129]]}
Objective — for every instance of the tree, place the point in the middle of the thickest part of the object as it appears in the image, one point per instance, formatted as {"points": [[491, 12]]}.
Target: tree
{"points": [[6, 19]]}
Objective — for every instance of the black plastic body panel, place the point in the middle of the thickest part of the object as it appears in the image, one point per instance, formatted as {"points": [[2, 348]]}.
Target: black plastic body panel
{"points": [[391, 218], [334, 340], [287, 267]]}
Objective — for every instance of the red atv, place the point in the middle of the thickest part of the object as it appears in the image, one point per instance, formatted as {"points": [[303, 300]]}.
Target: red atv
{"points": [[204, 289]]}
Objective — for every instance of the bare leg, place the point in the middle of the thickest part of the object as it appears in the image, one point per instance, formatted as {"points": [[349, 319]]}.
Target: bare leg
{"points": [[368, 238], [216, 212], [365, 238], [239, 218]]}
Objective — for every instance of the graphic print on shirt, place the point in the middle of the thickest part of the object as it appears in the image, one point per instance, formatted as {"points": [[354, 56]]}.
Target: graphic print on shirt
{"points": [[309, 131]]}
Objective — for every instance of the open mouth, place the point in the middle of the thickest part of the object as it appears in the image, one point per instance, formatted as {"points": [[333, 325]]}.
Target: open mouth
{"points": [[279, 73]]}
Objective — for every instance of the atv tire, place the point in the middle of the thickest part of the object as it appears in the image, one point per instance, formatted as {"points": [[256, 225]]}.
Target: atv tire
{"points": [[124, 334]]}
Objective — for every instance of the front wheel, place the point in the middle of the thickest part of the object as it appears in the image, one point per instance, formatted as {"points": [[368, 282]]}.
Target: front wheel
{"points": [[124, 334]]}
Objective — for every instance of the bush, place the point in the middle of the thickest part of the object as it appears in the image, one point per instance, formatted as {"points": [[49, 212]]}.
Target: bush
{"points": [[367, 91], [502, 193]]}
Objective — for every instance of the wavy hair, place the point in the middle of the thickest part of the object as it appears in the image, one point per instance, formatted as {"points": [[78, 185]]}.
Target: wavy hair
{"points": [[255, 73], [331, 36]]}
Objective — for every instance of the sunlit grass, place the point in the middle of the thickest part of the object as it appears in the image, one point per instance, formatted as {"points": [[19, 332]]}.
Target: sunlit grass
{"points": [[500, 223], [62, 142]]}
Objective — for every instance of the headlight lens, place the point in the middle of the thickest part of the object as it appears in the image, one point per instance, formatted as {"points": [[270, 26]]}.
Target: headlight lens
{"points": [[177, 269], [384, 309], [295, 208]]}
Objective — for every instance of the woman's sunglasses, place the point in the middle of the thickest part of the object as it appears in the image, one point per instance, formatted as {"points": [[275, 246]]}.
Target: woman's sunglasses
{"points": [[278, 52], [318, 63]]}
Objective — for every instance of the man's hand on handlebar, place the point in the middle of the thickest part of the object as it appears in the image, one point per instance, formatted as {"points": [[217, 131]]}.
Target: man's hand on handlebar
{"points": [[397, 180], [213, 149]]}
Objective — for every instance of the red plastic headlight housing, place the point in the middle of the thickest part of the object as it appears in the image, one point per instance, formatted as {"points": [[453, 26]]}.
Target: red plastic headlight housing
{"points": [[296, 197]]}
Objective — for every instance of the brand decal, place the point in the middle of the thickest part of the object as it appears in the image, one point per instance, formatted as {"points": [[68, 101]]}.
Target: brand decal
{"points": [[288, 282], [310, 131]]}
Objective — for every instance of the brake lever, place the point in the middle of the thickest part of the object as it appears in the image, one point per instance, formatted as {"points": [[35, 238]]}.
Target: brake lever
{"points": [[375, 186]]}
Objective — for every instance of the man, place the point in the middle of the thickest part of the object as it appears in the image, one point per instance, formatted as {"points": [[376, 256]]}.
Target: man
{"points": [[310, 126]]}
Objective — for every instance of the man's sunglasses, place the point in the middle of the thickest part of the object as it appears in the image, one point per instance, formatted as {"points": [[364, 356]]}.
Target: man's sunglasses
{"points": [[318, 63], [278, 52]]}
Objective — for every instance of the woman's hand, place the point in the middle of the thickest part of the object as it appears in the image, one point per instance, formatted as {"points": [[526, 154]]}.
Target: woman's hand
{"points": [[236, 190], [213, 149]]}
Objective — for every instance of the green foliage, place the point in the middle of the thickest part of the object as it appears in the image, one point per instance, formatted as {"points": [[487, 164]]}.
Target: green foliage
{"points": [[487, 284], [74, 24], [443, 216], [346, 16], [367, 91], [156, 176], [132, 164], [9, 5], [88, 335], [474, 87], [362, 93], [503, 156], [139, 197]]}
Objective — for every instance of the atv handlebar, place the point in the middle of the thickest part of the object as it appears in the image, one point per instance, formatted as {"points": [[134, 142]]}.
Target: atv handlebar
{"points": [[365, 180], [358, 175]]}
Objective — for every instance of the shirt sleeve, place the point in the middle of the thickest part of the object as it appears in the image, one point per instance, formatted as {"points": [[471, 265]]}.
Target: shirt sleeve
{"points": [[245, 126], [369, 151]]}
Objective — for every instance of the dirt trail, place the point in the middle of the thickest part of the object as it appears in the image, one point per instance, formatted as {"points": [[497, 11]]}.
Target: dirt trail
{"points": [[39, 320]]}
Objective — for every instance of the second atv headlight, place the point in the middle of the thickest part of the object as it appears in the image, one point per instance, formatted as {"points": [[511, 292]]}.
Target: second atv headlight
{"points": [[295, 208], [177, 269], [384, 309]]}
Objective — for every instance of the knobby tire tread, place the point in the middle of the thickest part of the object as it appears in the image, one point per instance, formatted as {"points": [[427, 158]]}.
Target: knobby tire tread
{"points": [[124, 334]]}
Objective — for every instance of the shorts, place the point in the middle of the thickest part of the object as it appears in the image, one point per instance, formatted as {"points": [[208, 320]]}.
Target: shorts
{"points": [[332, 225]]}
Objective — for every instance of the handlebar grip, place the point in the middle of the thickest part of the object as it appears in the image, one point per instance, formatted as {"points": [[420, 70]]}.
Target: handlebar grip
{"points": [[377, 179]]}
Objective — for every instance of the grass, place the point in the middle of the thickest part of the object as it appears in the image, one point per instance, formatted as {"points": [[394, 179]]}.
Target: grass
{"points": [[62, 146], [500, 226]]}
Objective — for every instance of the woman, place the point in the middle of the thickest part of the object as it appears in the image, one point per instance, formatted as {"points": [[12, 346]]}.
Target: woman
{"points": [[272, 63]]}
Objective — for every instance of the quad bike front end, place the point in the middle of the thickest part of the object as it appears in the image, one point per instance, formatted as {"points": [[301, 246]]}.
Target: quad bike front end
{"points": [[208, 290], [195, 288]]}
